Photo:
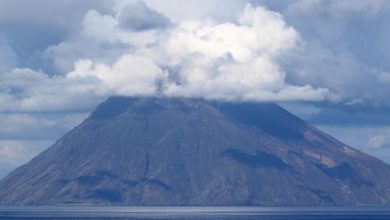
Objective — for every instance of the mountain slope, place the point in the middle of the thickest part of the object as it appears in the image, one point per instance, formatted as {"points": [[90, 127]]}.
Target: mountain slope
{"points": [[171, 151]]}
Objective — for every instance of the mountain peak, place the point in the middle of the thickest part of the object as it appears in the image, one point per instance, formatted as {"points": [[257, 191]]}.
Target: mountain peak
{"points": [[180, 151]]}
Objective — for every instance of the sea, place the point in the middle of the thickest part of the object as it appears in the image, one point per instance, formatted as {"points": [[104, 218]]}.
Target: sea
{"points": [[80, 212]]}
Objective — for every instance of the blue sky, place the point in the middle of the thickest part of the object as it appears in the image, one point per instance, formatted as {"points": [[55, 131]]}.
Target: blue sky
{"points": [[324, 60]]}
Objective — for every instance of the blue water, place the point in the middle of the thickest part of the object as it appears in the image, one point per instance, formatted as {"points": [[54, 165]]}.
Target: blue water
{"points": [[206, 213]]}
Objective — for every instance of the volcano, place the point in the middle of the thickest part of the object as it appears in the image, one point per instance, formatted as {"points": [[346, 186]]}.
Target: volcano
{"points": [[179, 151]]}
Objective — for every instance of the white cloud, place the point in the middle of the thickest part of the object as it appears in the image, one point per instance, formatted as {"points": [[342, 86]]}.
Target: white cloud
{"points": [[130, 75], [103, 28], [205, 36], [28, 90], [234, 61], [259, 32], [229, 60], [345, 46]]}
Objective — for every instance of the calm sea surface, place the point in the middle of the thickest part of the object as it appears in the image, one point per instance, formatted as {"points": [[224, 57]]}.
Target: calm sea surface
{"points": [[209, 213]]}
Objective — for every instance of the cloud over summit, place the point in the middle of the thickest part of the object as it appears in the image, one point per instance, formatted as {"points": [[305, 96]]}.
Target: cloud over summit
{"points": [[136, 50]]}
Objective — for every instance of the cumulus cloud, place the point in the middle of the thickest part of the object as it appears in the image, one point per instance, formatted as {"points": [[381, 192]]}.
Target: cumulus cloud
{"points": [[32, 26], [345, 47], [194, 58], [234, 61], [259, 32], [28, 90], [102, 38], [130, 75], [105, 28], [212, 40]]}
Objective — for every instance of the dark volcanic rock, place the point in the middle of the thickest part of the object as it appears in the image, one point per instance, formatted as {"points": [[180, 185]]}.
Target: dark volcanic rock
{"points": [[171, 151]]}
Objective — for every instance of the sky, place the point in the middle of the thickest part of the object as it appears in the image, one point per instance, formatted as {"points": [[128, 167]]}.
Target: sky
{"points": [[326, 61]]}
